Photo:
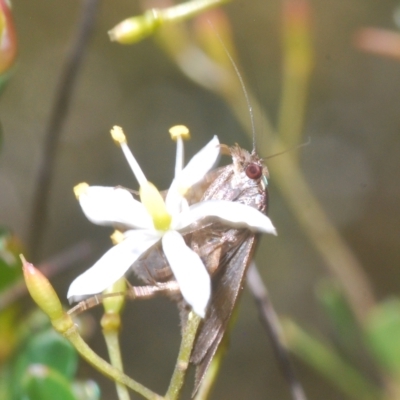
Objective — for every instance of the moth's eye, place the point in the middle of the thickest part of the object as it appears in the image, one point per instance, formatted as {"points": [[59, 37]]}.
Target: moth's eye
{"points": [[254, 171]]}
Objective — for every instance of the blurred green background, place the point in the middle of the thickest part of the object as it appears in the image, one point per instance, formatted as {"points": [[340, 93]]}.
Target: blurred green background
{"points": [[352, 164]]}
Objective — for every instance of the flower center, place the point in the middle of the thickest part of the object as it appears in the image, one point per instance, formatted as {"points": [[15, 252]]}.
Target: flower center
{"points": [[149, 194], [155, 206]]}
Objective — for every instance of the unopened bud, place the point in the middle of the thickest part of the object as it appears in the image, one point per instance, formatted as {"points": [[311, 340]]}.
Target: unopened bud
{"points": [[134, 29], [41, 290], [8, 40]]}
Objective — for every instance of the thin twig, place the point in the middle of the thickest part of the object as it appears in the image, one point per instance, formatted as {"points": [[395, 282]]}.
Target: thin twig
{"points": [[55, 265], [271, 323], [56, 122]]}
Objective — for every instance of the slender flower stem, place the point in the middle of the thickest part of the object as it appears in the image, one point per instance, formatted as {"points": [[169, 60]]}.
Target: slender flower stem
{"points": [[111, 324], [44, 295], [105, 368], [55, 125], [112, 342], [189, 9], [182, 362], [297, 68], [137, 28]]}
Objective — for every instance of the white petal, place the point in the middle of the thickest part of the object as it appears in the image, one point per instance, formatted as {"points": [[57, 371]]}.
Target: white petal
{"points": [[112, 265], [189, 271], [235, 214], [194, 171], [110, 205], [200, 164]]}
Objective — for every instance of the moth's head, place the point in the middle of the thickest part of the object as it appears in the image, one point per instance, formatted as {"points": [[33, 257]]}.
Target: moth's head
{"points": [[250, 163]]}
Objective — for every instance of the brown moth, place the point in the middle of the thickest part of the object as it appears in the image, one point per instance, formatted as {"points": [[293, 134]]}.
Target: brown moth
{"points": [[225, 251]]}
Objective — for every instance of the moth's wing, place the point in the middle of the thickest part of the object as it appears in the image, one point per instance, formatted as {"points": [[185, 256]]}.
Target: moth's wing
{"points": [[152, 267], [227, 285], [196, 192]]}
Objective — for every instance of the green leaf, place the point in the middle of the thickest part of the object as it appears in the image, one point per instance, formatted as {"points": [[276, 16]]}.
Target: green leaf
{"points": [[330, 296], [10, 263], [43, 383], [51, 349], [8, 337], [324, 359], [383, 334]]}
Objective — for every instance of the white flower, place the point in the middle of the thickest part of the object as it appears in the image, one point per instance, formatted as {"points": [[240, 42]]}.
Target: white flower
{"points": [[152, 220]]}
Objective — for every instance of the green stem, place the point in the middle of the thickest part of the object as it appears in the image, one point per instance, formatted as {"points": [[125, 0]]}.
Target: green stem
{"points": [[112, 342], [188, 9], [182, 362], [297, 68], [139, 27], [104, 367]]}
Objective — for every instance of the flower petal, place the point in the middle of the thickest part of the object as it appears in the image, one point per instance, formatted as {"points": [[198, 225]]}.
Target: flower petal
{"points": [[235, 214], [189, 271], [200, 164], [194, 171], [109, 205], [112, 265]]}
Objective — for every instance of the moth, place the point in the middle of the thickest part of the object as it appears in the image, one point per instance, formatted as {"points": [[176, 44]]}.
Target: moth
{"points": [[225, 251]]}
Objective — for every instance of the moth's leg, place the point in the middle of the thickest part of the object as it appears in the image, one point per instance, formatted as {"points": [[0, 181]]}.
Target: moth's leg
{"points": [[133, 292], [148, 291], [92, 302]]}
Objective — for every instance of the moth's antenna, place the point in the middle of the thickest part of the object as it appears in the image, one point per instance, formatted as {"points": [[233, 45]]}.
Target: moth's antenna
{"points": [[235, 67], [296, 147]]}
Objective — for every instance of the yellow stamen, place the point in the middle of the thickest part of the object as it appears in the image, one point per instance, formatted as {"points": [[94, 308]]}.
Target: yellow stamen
{"points": [[155, 206], [80, 189], [118, 135], [179, 131], [117, 237]]}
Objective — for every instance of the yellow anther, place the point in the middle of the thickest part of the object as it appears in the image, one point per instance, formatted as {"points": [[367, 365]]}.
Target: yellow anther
{"points": [[117, 237], [118, 135], [179, 131], [155, 206], [183, 190], [80, 189]]}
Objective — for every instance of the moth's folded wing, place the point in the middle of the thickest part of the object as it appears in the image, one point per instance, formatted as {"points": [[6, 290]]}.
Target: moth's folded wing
{"points": [[227, 285]]}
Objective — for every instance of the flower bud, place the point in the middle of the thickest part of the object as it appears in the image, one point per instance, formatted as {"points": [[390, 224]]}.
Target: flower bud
{"points": [[41, 291], [134, 29], [8, 41]]}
